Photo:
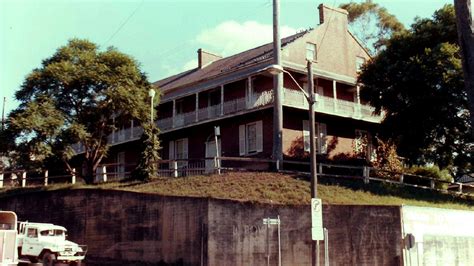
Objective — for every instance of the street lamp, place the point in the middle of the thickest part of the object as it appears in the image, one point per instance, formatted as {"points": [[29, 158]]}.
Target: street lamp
{"points": [[151, 94], [310, 97]]}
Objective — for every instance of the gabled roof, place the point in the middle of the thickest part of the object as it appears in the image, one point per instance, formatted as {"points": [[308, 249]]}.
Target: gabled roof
{"points": [[466, 178], [224, 65]]}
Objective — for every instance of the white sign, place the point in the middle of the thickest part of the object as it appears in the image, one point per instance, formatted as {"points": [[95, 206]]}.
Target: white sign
{"points": [[271, 221], [317, 232]]}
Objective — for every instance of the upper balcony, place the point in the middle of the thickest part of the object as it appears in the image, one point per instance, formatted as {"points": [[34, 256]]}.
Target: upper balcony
{"points": [[332, 106]]}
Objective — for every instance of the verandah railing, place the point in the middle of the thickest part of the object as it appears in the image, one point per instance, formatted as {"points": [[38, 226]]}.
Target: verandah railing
{"points": [[218, 165]]}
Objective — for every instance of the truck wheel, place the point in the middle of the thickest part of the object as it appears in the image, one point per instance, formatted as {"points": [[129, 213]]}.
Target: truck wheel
{"points": [[33, 259], [75, 263], [48, 259]]}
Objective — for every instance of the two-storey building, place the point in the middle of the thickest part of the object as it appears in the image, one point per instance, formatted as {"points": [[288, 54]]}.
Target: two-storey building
{"points": [[236, 94]]}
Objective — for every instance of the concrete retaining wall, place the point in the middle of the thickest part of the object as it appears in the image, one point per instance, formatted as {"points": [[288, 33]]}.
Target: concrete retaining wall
{"points": [[126, 227]]}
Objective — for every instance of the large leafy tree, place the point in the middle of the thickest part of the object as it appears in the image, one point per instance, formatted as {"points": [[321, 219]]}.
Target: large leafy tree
{"points": [[74, 97], [417, 80], [372, 24]]}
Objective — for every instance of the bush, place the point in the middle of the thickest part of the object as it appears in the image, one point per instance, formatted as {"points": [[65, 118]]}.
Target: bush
{"points": [[430, 171], [387, 163]]}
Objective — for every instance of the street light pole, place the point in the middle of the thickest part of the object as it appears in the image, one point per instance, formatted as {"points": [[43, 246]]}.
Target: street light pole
{"points": [[312, 130], [311, 99]]}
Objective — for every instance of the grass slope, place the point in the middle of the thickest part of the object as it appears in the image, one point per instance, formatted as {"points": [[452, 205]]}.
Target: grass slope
{"points": [[278, 189]]}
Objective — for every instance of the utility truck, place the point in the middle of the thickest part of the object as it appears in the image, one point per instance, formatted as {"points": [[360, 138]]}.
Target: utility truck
{"points": [[47, 243], [8, 238]]}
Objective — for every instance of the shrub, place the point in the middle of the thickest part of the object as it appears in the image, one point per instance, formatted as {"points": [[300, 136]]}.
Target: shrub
{"points": [[433, 172]]}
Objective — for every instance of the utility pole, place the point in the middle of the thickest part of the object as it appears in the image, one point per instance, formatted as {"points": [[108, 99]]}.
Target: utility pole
{"points": [[277, 89], [312, 147], [3, 113], [466, 42]]}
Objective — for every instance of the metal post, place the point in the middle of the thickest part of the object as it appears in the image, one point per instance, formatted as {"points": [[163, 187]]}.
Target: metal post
{"points": [[217, 162], [277, 88], [1, 179], [268, 242], [279, 242], [46, 174], [326, 247]]}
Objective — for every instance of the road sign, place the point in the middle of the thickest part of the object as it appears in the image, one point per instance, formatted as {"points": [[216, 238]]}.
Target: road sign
{"points": [[317, 232], [271, 221]]}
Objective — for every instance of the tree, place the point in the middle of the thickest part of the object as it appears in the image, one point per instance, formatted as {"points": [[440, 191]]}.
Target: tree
{"points": [[372, 24], [466, 41], [417, 80], [75, 97]]}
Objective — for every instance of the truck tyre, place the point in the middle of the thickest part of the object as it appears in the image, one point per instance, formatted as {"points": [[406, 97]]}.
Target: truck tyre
{"points": [[75, 263], [48, 259]]}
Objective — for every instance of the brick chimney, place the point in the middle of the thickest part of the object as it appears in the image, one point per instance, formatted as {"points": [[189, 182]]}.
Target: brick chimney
{"points": [[333, 14], [205, 58]]}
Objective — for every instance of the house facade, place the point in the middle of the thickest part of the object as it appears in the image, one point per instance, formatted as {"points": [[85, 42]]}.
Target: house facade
{"points": [[235, 95]]}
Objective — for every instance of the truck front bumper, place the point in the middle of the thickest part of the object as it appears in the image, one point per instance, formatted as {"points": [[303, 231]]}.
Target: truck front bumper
{"points": [[69, 258]]}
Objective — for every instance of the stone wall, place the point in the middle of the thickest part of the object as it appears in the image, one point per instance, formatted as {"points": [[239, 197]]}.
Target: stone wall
{"points": [[126, 227]]}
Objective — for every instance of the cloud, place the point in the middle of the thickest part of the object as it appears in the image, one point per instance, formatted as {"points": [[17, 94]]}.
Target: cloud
{"points": [[193, 63], [231, 37]]}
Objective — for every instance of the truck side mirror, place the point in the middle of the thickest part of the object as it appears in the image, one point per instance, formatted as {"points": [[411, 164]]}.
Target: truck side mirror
{"points": [[409, 241]]}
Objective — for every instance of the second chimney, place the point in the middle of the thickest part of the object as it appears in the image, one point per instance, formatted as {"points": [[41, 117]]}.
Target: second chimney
{"points": [[205, 58]]}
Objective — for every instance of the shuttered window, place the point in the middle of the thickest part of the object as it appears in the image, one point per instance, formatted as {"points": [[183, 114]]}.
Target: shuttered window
{"points": [[250, 138]]}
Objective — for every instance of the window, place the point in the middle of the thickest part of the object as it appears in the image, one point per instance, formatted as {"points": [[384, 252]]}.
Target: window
{"points": [[250, 138], [32, 233], [321, 135], [311, 51], [360, 61], [178, 149]]}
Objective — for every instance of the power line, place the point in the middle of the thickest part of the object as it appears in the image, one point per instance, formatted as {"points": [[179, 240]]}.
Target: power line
{"points": [[124, 22]]}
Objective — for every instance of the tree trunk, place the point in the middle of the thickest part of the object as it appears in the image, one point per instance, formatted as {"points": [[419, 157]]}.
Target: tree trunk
{"points": [[466, 42], [90, 171]]}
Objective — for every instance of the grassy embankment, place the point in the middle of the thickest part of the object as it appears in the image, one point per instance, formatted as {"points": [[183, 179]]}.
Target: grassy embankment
{"points": [[277, 189]]}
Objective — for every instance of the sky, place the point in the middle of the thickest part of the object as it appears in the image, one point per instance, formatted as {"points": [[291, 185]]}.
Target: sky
{"points": [[162, 35]]}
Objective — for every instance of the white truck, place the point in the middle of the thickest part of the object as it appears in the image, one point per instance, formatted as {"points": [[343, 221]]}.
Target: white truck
{"points": [[8, 239], [47, 243]]}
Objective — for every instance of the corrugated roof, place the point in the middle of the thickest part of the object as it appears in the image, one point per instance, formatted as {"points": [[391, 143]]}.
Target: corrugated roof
{"points": [[224, 65]]}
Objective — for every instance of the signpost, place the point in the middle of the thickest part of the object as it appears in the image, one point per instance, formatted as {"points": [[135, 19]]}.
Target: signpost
{"points": [[268, 222]]}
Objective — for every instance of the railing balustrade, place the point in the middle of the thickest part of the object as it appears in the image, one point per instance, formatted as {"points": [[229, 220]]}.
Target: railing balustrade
{"points": [[332, 106]]}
